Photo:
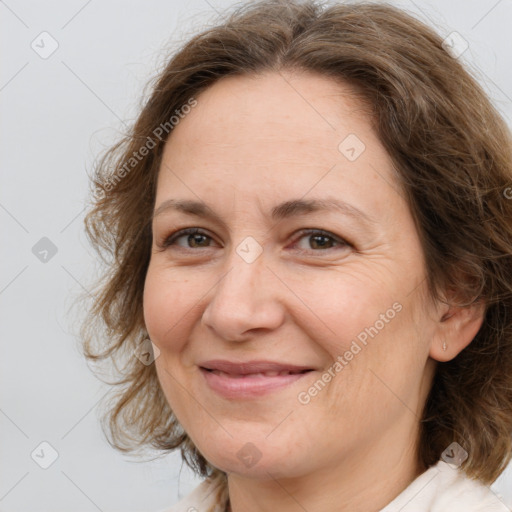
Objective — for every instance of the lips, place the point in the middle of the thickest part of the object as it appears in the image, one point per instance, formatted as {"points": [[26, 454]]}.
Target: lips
{"points": [[243, 380]]}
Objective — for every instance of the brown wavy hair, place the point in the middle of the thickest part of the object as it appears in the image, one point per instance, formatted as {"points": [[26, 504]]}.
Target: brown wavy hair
{"points": [[453, 155]]}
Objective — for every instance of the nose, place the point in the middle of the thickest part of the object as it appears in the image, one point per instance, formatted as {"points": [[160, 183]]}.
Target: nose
{"points": [[248, 298]]}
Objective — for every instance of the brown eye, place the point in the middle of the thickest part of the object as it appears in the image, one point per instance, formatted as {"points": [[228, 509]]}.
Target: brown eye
{"points": [[194, 238], [319, 240]]}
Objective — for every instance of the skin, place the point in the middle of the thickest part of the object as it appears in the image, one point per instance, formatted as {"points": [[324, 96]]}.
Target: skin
{"points": [[250, 143]]}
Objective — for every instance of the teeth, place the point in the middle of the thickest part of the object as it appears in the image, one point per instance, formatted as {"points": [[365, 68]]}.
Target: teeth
{"points": [[259, 374]]}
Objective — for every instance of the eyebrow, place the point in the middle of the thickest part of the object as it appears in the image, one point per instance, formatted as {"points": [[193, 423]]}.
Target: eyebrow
{"points": [[287, 209]]}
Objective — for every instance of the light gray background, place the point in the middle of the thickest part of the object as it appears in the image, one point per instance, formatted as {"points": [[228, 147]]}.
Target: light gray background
{"points": [[57, 114]]}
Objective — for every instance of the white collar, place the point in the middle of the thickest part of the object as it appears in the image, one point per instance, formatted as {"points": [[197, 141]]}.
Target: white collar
{"points": [[441, 488]]}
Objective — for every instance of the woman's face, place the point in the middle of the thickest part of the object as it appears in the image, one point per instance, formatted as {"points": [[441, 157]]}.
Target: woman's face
{"points": [[279, 275]]}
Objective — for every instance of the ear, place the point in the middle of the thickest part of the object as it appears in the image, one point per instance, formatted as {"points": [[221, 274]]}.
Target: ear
{"points": [[456, 328]]}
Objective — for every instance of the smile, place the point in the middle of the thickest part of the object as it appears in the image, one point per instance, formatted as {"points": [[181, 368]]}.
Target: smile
{"points": [[250, 380]]}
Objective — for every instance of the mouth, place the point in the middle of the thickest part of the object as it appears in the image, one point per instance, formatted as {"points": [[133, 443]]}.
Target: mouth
{"points": [[250, 379]]}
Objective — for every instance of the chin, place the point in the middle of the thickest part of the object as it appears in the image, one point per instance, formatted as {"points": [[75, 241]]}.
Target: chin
{"points": [[253, 460]]}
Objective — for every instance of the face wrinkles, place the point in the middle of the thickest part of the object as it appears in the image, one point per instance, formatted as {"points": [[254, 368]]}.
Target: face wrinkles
{"points": [[249, 145]]}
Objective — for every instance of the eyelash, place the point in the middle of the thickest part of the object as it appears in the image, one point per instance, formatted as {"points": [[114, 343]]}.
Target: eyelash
{"points": [[171, 239]]}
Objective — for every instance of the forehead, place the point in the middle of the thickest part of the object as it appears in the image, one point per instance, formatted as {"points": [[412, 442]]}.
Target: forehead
{"points": [[272, 133], [252, 110]]}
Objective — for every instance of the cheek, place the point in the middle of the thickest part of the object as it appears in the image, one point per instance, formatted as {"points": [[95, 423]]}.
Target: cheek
{"points": [[168, 313], [367, 324], [167, 304], [344, 306]]}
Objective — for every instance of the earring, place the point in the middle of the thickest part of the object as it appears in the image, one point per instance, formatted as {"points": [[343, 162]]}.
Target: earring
{"points": [[445, 346]]}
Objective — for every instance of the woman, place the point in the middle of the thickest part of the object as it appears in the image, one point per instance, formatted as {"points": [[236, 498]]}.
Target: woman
{"points": [[310, 223]]}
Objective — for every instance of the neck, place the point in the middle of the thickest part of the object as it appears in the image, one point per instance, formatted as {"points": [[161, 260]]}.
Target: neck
{"points": [[365, 481]]}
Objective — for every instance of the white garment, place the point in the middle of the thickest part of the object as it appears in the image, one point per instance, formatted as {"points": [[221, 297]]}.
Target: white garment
{"points": [[442, 488]]}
